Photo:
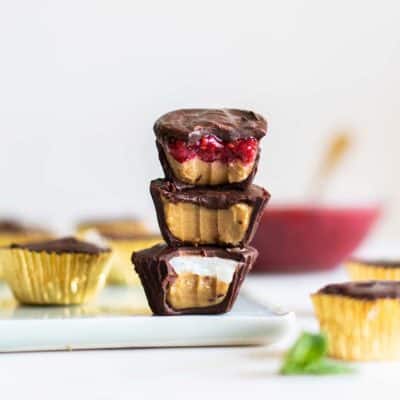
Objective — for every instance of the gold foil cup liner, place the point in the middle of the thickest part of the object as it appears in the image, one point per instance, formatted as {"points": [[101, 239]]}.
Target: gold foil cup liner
{"points": [[359, 271], [9, 238], [357, 329], [122, 271], [54, 279]]}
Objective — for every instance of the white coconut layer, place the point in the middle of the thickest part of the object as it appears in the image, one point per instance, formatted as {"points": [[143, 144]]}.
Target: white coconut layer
{"points": [[221, 268]]}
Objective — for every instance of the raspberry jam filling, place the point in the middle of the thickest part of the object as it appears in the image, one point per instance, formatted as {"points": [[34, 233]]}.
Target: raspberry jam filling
{"points": [[209, 148]]}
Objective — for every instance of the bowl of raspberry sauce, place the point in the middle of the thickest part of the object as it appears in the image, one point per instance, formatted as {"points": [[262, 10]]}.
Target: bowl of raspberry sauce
{"points": [[300, 238]]}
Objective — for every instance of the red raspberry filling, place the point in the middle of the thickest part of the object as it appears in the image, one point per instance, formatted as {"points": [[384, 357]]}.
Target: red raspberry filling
{"points": [[210, 148]]}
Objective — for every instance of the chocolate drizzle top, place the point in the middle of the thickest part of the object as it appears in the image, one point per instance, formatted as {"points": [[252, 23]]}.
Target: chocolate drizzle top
{"points": [[227, 124], [369, 290], [214, 199], [60, 246]]}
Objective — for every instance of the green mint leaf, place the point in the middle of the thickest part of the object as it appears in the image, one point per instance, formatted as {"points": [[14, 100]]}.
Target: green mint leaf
{"points": [[328, 367], [307, 349], [308, 357]]}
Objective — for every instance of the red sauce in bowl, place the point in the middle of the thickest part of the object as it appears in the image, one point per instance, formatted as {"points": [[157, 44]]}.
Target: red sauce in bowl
{"points": [[306, 238]]}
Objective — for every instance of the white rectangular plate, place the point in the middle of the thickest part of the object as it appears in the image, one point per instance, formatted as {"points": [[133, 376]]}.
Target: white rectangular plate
{"points": [[120, 318]]}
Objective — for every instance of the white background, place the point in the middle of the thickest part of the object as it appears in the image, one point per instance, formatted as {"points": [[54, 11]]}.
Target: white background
{"points": [[81, 83]]}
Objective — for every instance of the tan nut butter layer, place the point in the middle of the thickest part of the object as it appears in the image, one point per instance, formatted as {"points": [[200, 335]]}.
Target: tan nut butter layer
{"points": [[192, 223], [192, 290], [199, 172]]}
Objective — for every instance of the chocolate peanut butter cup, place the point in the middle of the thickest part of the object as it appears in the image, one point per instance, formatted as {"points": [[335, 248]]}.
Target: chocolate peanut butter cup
{"points": [[13, 226], [13, 231], [123, 235], [361, 319], [373, 269], [192, 280], [210, 147], [199, 217], [58, 272], [368, 290], [114, 228]]}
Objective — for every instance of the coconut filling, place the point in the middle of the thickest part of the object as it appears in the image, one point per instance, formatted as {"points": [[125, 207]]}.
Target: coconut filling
{"points": [[201, 281]]}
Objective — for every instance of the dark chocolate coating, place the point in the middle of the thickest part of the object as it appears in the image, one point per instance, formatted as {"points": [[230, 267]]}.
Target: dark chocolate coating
{"points": [[156, 274], [13, 226], [377, 262], [61, 246], [169, 173], [255, 196], [368, 290], [227, 124]]}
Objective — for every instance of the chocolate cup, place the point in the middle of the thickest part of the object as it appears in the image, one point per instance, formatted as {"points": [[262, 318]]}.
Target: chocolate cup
{"points": [[217, 199], [190, 125], [181, 185], [156, 274]]}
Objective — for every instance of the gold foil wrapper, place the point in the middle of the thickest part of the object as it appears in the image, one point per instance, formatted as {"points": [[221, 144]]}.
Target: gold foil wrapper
{"points": [[54, 279], [9, 238], [367, 272], [122, 271], [357, 329]]}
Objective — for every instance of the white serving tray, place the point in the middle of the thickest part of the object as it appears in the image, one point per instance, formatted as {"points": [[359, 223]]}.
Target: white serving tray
{"points": [[120, 318]]}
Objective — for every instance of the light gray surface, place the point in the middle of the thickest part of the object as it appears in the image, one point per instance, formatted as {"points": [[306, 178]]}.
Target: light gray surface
{"points": [[197, 373], [120, 319]]}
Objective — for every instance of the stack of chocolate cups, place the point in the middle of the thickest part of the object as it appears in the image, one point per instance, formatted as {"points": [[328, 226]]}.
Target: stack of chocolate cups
{"points": [[207, 208]]}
